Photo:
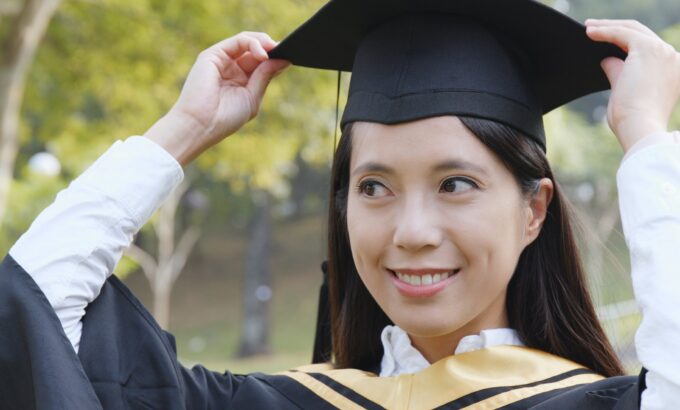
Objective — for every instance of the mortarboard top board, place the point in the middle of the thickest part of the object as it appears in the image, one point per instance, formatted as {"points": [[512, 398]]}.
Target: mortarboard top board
{"points": [[505, 60]]}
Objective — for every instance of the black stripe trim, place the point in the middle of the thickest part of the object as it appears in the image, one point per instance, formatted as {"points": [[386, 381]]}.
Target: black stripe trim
{"points": [[296, 392], [484, 394], [346, 392], [539, 398]]}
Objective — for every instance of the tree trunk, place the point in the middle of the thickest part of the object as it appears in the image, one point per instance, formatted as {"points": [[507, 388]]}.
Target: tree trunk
{"points": [[172, 256], [162, 272], [162, 289], [16, 57], [604, 219], [257, 284]]}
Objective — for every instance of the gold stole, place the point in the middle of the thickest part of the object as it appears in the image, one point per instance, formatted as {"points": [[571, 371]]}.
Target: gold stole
{"points": [[482, 379]]}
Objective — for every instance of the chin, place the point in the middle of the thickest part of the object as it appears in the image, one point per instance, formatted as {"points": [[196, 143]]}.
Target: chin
{"points": [[419, 324]]}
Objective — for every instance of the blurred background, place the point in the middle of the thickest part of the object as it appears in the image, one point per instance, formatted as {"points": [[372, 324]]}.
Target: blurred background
{"points": [[231, 264]]}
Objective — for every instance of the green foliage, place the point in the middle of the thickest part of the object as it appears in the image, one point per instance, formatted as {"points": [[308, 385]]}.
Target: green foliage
{"points": [[655, 13], [125, 266], [672, 36], [109, 69], [30, 195], [578, 150]]}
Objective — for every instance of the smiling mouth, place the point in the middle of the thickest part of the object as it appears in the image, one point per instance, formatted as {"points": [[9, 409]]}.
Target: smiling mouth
{"points": [[423, 279]]}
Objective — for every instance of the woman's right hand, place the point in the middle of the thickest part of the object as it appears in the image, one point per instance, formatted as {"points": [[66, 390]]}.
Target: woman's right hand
{"points": [[223, 91]]}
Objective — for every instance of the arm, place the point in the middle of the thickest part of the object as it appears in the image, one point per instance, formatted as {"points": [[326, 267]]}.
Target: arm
{"points": [[73, 246], [649, 195], [645, 89]]}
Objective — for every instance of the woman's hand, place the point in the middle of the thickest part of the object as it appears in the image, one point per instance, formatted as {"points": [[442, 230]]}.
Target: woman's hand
{"points": [[645, 87], [223, 91]]}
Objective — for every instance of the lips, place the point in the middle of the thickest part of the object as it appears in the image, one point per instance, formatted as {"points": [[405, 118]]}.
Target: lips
{"points": [[422, 282]]}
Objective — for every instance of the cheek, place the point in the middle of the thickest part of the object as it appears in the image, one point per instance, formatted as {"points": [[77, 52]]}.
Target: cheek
{"points": [[490, 239], [367, 235]]}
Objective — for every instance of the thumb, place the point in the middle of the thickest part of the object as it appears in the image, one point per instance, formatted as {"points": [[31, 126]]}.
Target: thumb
{"points": [[259, 80], [612, 67]]}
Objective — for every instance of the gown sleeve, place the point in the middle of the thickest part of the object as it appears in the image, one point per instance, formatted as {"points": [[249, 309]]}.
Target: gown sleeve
{"points": [[75, 243], [649, 197], [72, 336], [125, 360]]}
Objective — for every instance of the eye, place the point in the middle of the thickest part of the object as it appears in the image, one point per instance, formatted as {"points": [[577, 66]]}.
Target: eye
{"points": [[457, 185], [373, 189]]}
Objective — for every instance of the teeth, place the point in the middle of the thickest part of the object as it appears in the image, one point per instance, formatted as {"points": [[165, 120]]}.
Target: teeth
{"points": [[423, 280]]}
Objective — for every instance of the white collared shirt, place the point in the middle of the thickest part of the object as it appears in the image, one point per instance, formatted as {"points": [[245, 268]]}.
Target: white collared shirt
{"points": [[401, 357]]}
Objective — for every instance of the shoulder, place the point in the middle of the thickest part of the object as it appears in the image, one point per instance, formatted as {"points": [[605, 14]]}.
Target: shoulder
{"points": [[618, 393]]}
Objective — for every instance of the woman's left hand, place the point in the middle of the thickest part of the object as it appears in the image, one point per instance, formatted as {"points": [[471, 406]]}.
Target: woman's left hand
{"points": [[645, 87]]}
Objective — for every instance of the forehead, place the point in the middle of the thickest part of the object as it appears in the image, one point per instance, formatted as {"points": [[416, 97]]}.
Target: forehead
{"points": [[419, 144]]}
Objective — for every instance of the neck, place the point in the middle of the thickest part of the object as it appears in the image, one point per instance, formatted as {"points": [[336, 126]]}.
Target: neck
{"points": [[435, 348]]}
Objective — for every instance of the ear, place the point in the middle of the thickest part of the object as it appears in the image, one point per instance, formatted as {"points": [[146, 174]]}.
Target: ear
{"points": [[537, 210]]}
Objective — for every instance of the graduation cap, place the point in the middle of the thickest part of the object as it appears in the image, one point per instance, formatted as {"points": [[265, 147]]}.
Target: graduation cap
{"points": [[509, 61]]}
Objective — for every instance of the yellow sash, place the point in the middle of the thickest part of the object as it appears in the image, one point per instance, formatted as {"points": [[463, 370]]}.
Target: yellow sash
{"points": [[482, 379]]}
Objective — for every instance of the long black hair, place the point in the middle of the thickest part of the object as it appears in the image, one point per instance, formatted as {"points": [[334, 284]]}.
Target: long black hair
{"points": [[548, 301]]}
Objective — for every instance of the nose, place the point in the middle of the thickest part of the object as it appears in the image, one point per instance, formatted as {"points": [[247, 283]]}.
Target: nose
{"points": [[418, 226]]}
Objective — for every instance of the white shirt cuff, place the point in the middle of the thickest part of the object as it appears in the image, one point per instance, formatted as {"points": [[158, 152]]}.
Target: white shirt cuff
{"points": [[137, 173]]}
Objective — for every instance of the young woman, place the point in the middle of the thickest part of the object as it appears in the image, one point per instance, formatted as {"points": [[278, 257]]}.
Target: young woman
{"points": [[454, 277]]}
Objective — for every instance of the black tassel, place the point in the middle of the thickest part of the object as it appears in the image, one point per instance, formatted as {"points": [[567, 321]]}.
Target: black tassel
{"points": [[322, 338], [337, 113]]}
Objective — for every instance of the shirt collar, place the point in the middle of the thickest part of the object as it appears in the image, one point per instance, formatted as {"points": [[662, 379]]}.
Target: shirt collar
{"points": [[401, 357]]}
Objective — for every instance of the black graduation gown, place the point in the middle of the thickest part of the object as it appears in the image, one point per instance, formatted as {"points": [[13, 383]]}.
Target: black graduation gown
{"points": [[126, 361]]}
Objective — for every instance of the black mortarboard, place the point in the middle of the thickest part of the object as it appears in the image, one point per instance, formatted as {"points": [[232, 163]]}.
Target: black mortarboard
{"points": [[506, 60]]}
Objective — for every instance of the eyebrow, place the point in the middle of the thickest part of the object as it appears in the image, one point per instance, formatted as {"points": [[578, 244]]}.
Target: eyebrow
{"points": [[372, 167], [460, 164], [442, 166]]}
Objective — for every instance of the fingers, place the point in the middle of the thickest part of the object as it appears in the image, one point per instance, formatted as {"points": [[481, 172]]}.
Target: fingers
{"points": [[236, 46], [264, 38], [623, 37], [262, 75], [256, 43], [248, 62], [631, 24], [612, 68], [631, 39], [241, 54]]}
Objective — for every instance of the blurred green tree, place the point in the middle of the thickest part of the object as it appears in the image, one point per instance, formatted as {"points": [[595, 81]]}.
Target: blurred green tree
{"points": [[672, 35], [29, 20], [109, 69]]}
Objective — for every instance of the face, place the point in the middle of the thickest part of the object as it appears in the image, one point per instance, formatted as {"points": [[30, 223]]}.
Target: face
{"points": [[436, 225]]}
